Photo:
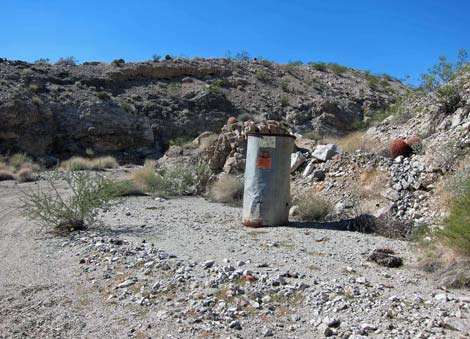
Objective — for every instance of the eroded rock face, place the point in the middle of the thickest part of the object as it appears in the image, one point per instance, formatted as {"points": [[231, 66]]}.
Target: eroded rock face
{"points": [[137, 108]]}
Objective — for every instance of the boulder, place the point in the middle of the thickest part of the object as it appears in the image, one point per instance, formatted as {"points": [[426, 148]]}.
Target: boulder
{"points": [[297, 159], [325, 152]]}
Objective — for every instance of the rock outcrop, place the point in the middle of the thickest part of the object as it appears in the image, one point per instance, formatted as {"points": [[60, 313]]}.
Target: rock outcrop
{"points": [[135, 109]]}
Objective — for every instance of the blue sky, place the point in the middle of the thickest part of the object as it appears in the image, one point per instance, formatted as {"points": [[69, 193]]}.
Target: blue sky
{"points": [[384, 36]]}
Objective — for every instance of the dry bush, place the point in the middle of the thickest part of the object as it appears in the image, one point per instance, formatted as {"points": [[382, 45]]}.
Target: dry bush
{"points": [[451, 268], [356, 141], [86, 195], [80, 163], [208, 141], [228, 189], [25, 174], [17, 160], [312, 207], [148, 180], [6, 175]]}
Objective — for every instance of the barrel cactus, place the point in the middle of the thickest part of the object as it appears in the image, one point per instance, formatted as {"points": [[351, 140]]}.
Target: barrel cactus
{"points": [[399, 147]]}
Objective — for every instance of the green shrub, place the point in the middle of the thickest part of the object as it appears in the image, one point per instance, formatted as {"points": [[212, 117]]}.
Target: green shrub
{"points": [[444, 71], [75, 209], [312, 207], [456, 231], [285, 85], [67, 61], [262, 75], [176, 180], [181, 141], [285, 101], [103, 95], [449, 96], [337, 68], [118, 62], [319, 66], [17, 160]]}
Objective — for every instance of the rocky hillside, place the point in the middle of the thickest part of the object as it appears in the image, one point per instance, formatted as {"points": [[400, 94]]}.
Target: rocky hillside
{"points": [[134, 109]]}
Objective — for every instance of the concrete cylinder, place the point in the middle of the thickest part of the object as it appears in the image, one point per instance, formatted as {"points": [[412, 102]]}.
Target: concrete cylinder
{"points": [[266, 198]]}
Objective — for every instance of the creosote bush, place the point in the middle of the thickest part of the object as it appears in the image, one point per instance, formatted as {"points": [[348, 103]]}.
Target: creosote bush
{"points": [[312, 207], [228, 189], [75, 209], [80, 163], [456, 231], [172, 181]]}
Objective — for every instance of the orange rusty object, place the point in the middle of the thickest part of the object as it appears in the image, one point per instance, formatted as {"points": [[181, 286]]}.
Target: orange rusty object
{"points": [[248, 278], [399, 147], [252, 223], [232, 120]]}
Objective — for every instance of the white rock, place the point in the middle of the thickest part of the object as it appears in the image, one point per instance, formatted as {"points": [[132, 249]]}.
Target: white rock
{"points": [[296, 160], [325, 152]]}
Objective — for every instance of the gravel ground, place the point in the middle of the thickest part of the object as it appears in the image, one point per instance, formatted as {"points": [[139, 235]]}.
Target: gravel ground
{"points": [[186, 268]]}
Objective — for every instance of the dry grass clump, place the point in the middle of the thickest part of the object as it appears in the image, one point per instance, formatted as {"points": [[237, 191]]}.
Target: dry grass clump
{"points": [[17, 160], [80, 163], [228, 189], [372, 183], [356, 141], [147, 179], [6, 175], [312, 207], [19, 166], [25, 174]]}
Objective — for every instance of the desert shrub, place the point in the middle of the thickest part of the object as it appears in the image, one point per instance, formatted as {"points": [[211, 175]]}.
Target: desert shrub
{"points": [[103, 95], [42, 61], [18, 159], [389, 226], [285, 101], [156, 57], [228, 189], [181, 141], [118, 62], [319, 66], [262, 75], [356, 141], [265, 62], [175, 180], [36, 100], [80, 163], [456, 231], [25, 174], [449, 95], [75, 209], [6, 175], [242, 56], [285, 85], [125, 188], [399, 147], [338, 69], [313, 135], [312, 207], [67, 61]]}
